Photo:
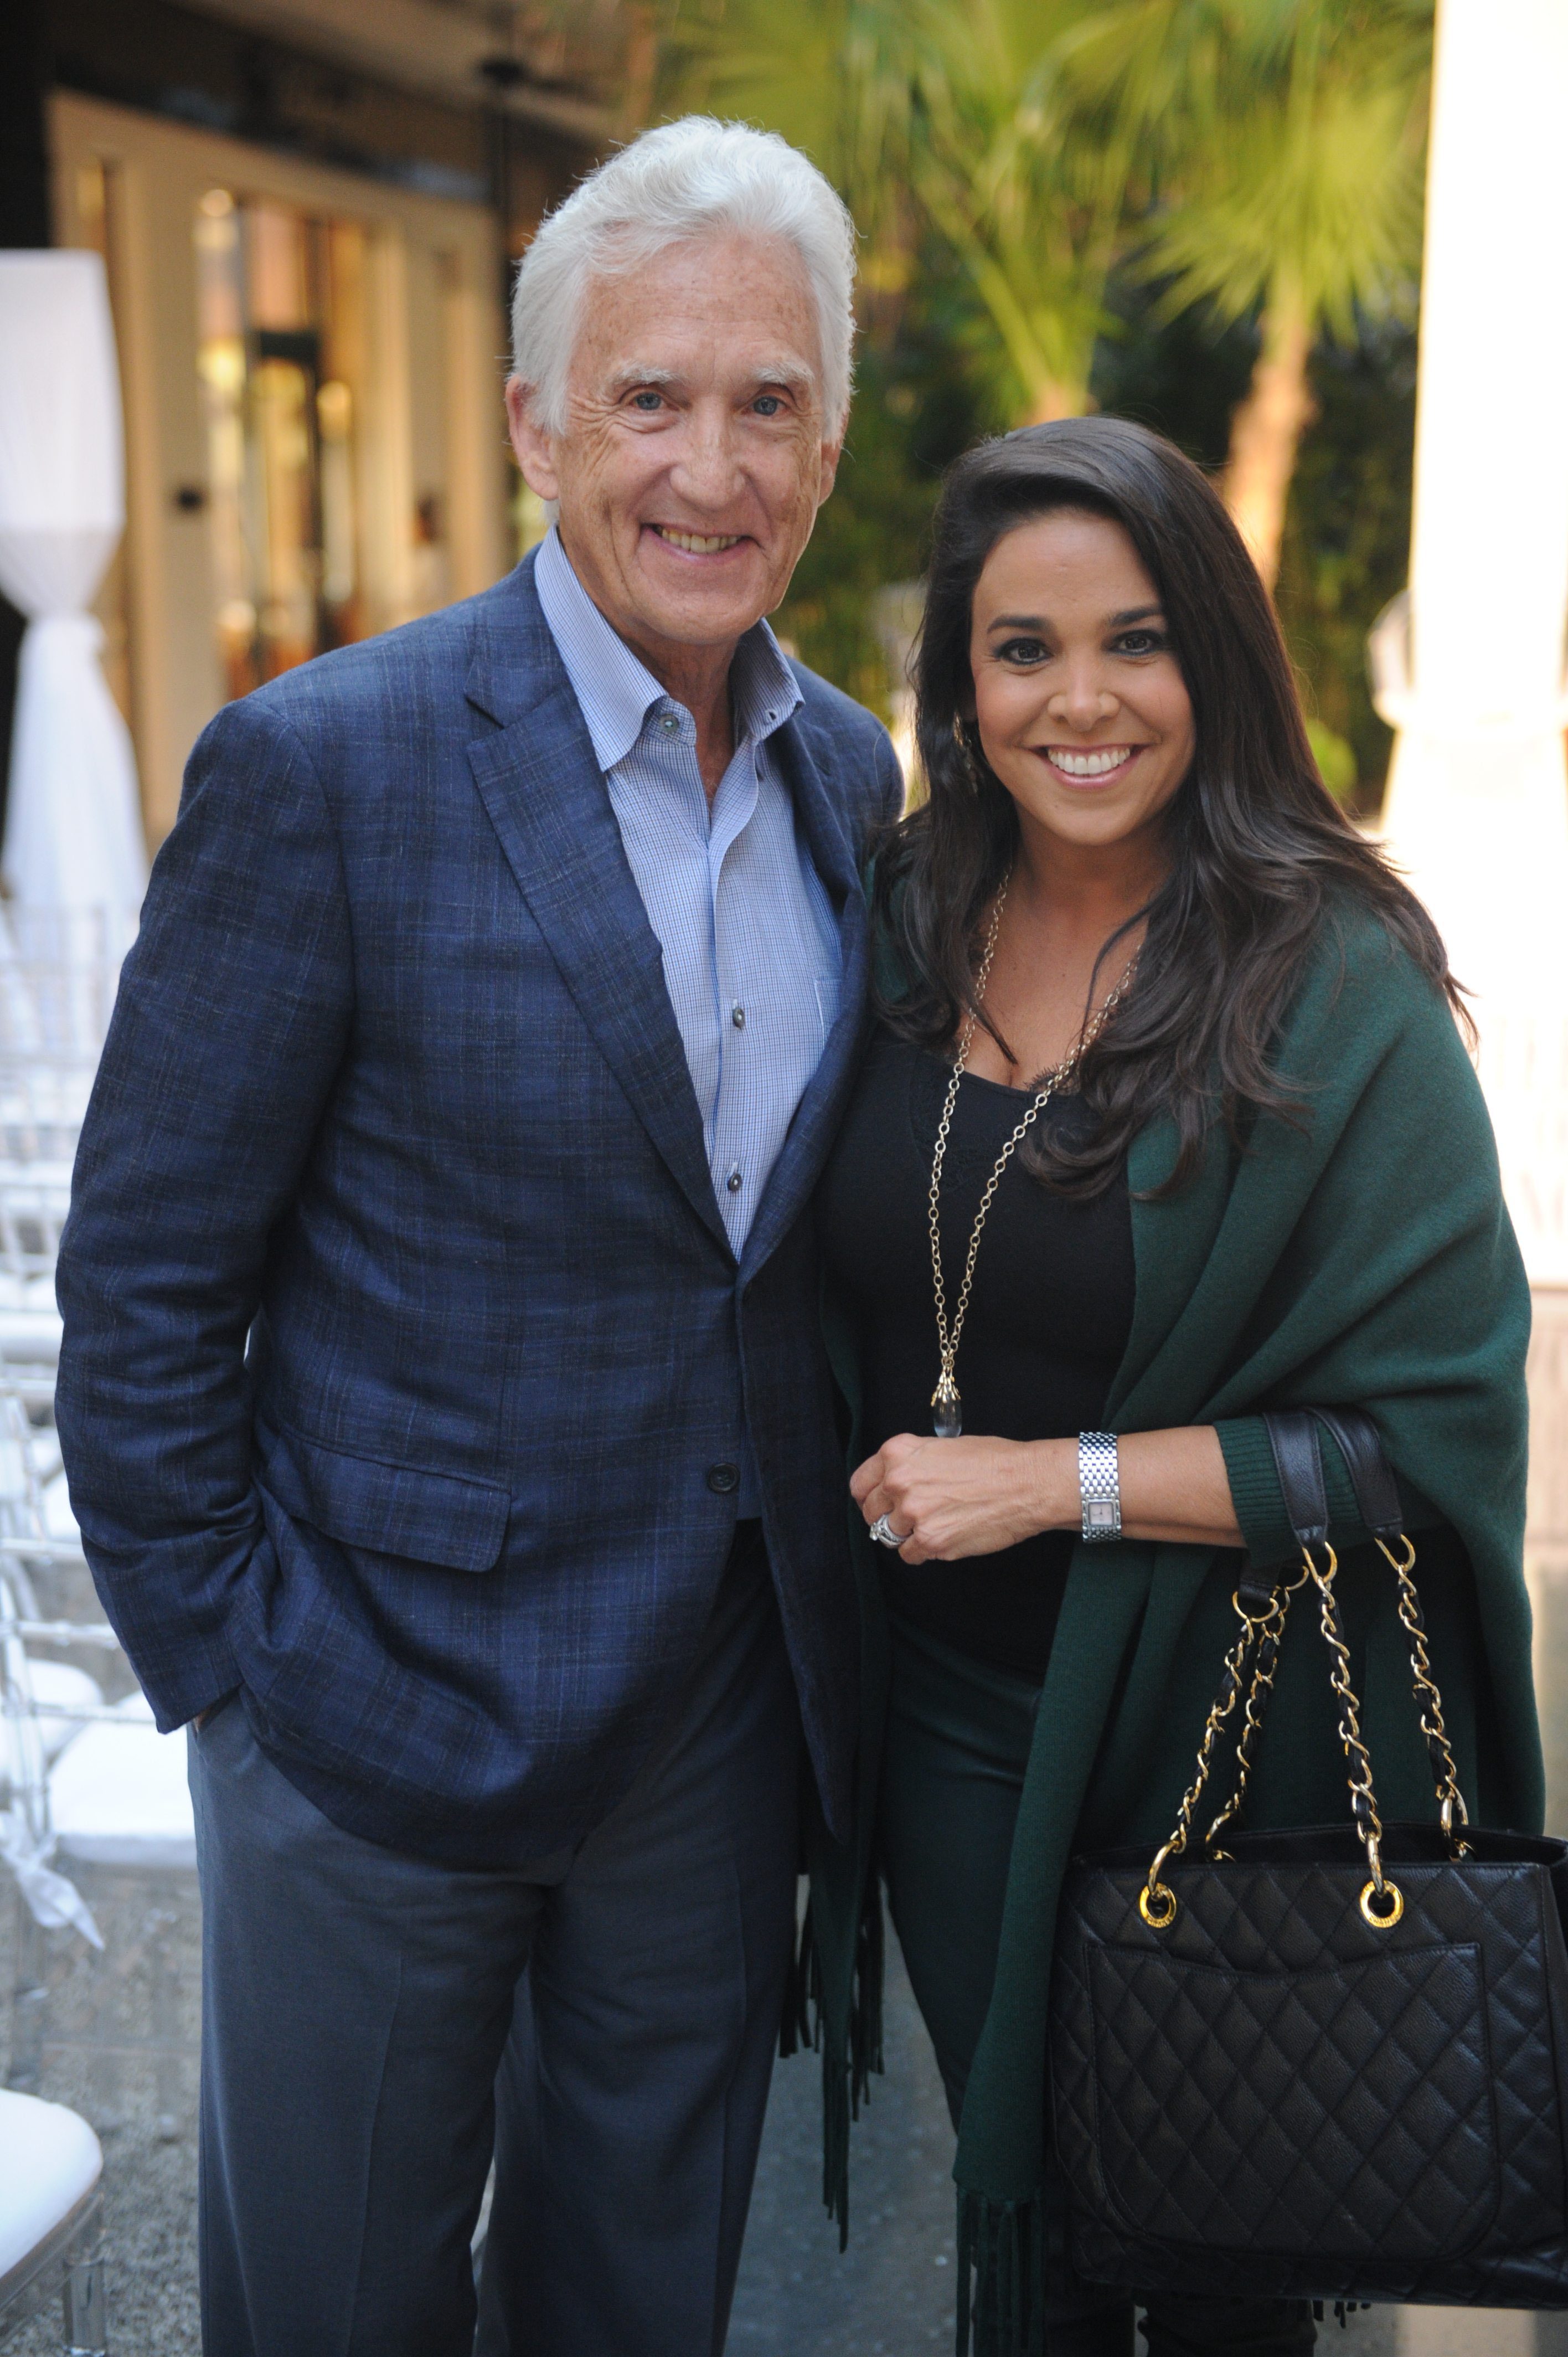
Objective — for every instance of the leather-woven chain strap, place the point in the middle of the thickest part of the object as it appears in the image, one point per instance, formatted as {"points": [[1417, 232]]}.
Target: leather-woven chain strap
{"points": [[1261, 1606], [1378, 1503]]}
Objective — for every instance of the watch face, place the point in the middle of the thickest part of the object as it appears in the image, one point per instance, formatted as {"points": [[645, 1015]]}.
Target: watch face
{"points": [[1100, 1515]]}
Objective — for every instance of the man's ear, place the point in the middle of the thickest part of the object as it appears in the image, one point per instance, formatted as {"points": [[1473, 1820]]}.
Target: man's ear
{"points": [[530, 441], [831, 453]]}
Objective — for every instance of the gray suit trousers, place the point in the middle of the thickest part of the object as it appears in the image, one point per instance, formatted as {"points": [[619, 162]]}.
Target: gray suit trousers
{"points": [[375, 2026]]}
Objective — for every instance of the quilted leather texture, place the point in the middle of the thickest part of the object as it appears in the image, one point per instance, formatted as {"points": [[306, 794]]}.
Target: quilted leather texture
{"points": [[1275, 2108], [1274, 2098]]}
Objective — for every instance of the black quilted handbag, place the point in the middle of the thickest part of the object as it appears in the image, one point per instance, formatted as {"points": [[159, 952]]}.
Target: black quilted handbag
{"points": [[1324, 2064]]}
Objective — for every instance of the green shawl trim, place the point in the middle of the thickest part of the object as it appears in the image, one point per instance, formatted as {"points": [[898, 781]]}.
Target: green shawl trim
{"points": [[1362, 1257]]}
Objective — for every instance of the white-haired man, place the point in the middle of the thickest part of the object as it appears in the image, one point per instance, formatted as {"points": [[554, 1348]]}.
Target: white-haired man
{"points": [[441, 1392]]}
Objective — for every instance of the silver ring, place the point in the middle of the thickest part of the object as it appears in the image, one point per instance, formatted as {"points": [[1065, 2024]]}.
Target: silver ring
{"points": [[883, 1532]]}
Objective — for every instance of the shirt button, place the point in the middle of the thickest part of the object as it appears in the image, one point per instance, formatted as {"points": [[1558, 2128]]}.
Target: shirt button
{"points": [[734, 1181], [738, 1017], [722, 1479], [670, 723]]}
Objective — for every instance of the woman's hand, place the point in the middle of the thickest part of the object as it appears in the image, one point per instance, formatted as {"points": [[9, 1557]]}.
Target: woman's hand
{"points": [[953, 1498], [969, 1496]]}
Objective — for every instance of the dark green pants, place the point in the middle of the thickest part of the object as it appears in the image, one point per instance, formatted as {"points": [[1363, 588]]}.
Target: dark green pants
{"points": [[958, 1742]]}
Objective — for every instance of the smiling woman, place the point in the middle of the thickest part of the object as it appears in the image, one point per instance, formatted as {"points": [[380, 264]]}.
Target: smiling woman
{"points": [[1157, 1131], [1083, 527]]}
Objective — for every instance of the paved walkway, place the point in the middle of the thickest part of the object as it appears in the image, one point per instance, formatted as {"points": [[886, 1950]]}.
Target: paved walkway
{"points": [[121, 2037]]}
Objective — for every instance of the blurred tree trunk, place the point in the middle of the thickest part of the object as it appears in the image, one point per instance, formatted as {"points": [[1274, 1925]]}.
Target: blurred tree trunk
{"points": [[1266, 429], [1051, 400]]}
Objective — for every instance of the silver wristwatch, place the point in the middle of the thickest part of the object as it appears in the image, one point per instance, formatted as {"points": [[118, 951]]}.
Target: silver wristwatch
{"points": [[1100, 1485]]}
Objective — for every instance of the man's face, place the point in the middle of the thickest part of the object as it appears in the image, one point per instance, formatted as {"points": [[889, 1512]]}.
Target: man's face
{"points": [[696, 453]]}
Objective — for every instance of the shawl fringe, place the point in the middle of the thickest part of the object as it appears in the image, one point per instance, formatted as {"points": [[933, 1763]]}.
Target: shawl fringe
{"points": [[848, 2061], [1001, 2276]]}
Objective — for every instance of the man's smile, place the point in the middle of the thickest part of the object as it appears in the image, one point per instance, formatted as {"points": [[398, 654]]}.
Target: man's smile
{"points": [[697, 543]]}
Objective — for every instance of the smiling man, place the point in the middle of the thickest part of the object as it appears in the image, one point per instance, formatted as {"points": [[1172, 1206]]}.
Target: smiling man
{"points": [[442, 1395]]}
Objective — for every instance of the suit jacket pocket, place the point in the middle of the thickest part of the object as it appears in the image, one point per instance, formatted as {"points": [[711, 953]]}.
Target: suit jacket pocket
{"points": [[403, 1510]]}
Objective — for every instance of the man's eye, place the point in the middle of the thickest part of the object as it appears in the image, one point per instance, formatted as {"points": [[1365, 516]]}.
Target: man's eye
{"points": [[647, 400], [767, 405]]}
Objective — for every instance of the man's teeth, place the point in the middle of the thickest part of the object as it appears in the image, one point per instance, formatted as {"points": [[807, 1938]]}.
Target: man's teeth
{"points": [[697, 543], [1089, 765]]}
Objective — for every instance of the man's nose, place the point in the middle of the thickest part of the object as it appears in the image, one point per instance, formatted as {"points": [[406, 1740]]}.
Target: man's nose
{"points": [[1083, 702], [706, 468]]}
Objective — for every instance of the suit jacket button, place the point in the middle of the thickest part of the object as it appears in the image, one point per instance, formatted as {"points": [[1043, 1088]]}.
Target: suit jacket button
{"points": [[723, 1479]]}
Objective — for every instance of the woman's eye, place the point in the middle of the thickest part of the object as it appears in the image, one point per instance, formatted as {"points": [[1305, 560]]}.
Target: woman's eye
{"points": [[1019, 651], [1142, 642]]}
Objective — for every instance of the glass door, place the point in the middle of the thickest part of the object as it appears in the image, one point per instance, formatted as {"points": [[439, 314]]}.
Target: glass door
{"points": [[282, 364]]}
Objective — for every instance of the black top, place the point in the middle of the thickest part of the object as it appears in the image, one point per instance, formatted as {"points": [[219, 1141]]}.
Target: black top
{"points": [[1049, 1317]]}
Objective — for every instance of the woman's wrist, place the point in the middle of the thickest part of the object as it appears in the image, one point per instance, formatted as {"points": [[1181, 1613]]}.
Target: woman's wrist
{"points": [[1051, 1492]]}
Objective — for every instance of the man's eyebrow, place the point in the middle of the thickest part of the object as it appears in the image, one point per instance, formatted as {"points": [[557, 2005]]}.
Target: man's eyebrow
{"points": [[636, 373], [1037, 622], [794, 373]]}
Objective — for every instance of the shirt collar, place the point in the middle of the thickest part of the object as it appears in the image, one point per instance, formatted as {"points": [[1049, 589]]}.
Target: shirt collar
{"points": [[616, 692]]}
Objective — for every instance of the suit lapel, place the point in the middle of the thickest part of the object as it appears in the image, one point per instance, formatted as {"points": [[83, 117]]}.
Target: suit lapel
{"points": [[808, 759], [542, 787]]}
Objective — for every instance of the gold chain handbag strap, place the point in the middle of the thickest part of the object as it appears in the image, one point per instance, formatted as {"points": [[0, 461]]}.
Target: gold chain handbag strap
{"points": [[1156, 1901], [1262, 1616], [1381, 1901], [1429, 1702], [1270, 1630], [1378, 1503]]}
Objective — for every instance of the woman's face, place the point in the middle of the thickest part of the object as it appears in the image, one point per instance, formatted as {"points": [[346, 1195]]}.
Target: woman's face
{"points": [[1083, 713]]}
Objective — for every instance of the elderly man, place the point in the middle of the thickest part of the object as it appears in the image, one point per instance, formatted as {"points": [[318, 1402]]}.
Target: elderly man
{"points": [[441, 1394]]}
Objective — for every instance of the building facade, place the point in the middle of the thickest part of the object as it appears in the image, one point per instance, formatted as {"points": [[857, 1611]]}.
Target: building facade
{"points": [[307, 215]]}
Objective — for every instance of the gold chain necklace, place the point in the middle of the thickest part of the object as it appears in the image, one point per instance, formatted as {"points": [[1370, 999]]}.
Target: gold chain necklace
{"points": [[947, 1419]]}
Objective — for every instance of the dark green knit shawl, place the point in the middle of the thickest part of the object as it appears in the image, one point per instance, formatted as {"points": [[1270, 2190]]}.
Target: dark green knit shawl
{"points": [[1361, 1257]]}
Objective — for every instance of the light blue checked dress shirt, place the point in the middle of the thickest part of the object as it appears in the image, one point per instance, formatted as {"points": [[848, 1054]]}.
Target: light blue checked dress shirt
{"points": [[744, 922], [747, 933]]}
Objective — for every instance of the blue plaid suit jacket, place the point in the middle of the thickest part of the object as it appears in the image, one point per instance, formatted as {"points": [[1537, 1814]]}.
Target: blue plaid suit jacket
{"points": [[404, 1347]]}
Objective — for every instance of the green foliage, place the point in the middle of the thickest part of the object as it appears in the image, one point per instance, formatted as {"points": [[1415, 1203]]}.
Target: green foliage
{"points": [[1336, 760], [1066, 201], [915, 410], [1347, 535], [1348, 527], [1291, 141], [966, 121]]}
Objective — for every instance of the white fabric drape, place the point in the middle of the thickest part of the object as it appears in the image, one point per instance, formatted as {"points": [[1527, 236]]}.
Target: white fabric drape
{"points": [[73, 835]]}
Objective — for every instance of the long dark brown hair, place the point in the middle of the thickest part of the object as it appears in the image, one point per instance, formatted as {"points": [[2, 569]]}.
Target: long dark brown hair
{"points": [[1259, 850]]}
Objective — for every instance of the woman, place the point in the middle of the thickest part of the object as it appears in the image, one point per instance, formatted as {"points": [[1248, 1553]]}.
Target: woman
{"points": [[1167, 1120]]}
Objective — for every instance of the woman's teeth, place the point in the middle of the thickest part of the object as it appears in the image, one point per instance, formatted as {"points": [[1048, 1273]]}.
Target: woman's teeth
{"points": [[1088, 765], [697, 543]]}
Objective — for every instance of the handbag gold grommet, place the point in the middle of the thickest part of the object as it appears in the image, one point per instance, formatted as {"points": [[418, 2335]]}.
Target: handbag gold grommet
{"points": [[1392, 1893], [1157, 1905]]}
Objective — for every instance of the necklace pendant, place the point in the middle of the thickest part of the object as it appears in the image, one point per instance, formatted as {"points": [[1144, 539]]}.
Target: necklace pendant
{"points": [[947, 1410]]}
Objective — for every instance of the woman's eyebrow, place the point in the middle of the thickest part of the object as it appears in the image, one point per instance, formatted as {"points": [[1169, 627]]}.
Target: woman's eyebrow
{"points": [[1037, 622]]}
